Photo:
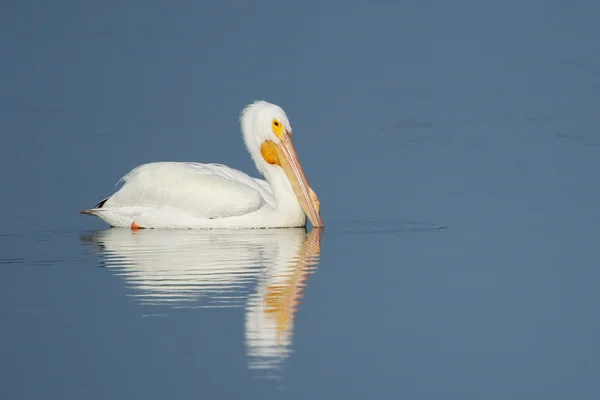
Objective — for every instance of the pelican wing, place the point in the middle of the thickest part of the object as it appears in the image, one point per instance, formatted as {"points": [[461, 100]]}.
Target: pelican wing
{"points": [[202, 190]]}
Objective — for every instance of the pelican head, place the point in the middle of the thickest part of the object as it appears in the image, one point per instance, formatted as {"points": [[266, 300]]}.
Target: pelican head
{"points": [[268, 137]]}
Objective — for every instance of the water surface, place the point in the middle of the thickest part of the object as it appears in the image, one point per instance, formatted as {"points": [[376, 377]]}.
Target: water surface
{"points": [[455, 149]]}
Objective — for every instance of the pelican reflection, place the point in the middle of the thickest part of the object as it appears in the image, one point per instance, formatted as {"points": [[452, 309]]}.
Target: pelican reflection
{"points": [[261, 270]]}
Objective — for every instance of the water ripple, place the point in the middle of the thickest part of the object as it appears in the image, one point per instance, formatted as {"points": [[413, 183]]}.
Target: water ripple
{"points": [[376, 226]]}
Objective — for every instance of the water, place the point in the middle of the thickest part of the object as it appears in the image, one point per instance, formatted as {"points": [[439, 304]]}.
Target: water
{"points": [[455, 149]]}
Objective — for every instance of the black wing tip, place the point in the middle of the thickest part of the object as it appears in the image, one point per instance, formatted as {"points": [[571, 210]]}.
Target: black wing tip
{"points": [[99, 205], [91, 211]]}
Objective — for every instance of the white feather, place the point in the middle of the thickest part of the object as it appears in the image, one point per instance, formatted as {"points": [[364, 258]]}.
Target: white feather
{"points": [[201, 190]]}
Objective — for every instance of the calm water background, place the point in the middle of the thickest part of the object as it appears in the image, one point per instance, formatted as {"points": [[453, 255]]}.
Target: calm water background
{"points": [[455, 148]]}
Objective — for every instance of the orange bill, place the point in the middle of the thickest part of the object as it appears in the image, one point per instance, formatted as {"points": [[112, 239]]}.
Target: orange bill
{"points": [[288, 159]]}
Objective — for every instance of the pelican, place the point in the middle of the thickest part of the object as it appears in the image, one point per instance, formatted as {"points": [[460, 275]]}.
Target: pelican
{"points": [[187, 195]]}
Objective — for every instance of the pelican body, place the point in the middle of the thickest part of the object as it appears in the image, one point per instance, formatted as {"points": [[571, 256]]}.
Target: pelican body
{"points": [[185, 195]]}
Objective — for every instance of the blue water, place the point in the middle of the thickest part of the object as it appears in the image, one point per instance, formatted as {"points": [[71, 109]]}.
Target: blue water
{"points": [[455, 150]]}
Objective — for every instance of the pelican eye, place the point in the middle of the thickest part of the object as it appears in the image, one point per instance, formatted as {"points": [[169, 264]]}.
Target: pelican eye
{"points": [[277, 128]]}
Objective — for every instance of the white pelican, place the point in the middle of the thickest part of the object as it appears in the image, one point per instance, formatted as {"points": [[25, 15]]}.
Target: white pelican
{"points": [[182, 195]]}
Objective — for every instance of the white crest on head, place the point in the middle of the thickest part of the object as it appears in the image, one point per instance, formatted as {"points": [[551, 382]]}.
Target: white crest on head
{"points": [[255, 121]]}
